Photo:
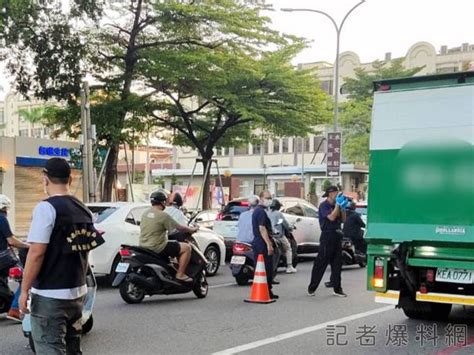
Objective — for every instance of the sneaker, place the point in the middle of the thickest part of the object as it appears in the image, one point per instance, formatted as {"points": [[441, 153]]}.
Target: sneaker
{"points": [[273, 296], [311, 293], [275, 282], [290, 270], [14, 314], [339, 293]]}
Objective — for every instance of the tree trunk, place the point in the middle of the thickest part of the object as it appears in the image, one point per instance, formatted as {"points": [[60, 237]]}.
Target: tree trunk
{"points": [[206, 192], [110, 173]]}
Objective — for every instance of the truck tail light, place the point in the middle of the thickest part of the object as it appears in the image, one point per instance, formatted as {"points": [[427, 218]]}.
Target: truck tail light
{"points": [[378, 279], [423, 289], [430, 275]]}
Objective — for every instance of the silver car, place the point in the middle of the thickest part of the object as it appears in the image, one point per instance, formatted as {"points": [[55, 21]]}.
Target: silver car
{"points": [[297, 211]]}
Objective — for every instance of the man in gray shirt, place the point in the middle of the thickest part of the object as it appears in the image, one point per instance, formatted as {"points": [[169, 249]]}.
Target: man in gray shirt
{"points": [[244, 226]]}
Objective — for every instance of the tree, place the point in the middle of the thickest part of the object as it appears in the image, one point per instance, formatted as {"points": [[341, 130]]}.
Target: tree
{"points": [[356, 113], [237, 98], [146, 58]]}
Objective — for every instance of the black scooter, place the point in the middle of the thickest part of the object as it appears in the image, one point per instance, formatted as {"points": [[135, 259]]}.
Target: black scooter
{"points": [[143, 272], [351, 256]]}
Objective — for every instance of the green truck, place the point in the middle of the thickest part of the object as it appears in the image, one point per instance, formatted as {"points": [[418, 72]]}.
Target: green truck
{"points": [[421, 194]]}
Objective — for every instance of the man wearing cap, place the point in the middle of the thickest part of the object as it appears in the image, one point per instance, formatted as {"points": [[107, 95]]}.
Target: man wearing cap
{"points": [[330, 249], [61, 234]]}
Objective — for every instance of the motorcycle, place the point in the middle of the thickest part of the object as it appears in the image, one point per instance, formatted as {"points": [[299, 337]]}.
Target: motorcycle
{"points": [[350, 256], [243, 260], [87, 319], [143, 272], [6, 295]]}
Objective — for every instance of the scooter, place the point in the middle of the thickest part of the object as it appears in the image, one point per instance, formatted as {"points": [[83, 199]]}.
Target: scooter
{"points": [[349, 254], [87, 319], [6, 295], [143, 272]]}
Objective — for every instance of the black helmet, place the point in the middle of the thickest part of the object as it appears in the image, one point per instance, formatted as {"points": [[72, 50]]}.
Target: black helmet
{"points": [[275, 205], [177, 199], [158, 198]]}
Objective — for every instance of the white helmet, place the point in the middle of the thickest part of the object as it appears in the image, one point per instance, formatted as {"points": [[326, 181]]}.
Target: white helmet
{"points": [[5, 202], [254, 200]]}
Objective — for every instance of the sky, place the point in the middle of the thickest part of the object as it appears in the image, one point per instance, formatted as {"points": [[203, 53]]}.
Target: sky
{"points": [[374, 28], [377, 26]]}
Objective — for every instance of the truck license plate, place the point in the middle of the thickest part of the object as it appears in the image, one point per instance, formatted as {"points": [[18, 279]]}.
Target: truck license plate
{"points": [[122, 267], [238, 260], [458, 276]]}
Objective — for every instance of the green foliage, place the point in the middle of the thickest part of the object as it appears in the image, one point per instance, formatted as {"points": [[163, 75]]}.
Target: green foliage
{"points": [[355, 114], [211, 70], [326, 184], [312, 187]]}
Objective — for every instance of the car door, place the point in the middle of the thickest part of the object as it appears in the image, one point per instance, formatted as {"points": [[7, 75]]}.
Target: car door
{"points": [[294, 214], [312, 219]]}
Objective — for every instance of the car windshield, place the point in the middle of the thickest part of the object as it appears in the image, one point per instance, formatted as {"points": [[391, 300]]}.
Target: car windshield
{"points": [[101, 213]]}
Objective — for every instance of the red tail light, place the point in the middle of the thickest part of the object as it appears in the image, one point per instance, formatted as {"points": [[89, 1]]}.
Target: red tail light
{"points": [[378, 280], [219, 216], [430, 275], [15, 273], [423, 289], [125, 252], [238, 248]]}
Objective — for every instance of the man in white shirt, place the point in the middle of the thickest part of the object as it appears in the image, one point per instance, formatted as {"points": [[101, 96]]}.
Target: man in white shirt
{"points": [[61, 234]]}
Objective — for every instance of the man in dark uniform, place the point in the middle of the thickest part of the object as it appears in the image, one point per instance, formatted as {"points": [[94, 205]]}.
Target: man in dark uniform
{"points": [[330, 250], [262, 242]]}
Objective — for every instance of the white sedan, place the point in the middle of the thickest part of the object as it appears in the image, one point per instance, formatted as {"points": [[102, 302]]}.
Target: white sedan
{"points": [[120, 222]]}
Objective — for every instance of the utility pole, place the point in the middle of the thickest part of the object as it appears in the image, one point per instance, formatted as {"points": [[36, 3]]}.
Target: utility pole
{"points": [[88, 135], [83, 141]]}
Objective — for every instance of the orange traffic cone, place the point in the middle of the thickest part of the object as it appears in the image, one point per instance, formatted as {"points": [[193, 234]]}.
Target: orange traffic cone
{"points": [[260, 292]]}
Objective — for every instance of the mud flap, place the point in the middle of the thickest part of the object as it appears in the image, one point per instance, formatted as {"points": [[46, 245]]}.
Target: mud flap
{"points": [[118, 279]]}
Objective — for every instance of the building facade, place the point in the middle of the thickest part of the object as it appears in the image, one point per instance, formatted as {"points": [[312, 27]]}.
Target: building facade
{"points": [[421, 54]]}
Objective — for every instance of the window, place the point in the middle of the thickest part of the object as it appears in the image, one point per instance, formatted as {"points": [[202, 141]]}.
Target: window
{"points": [[280, 188], [47, 132], [135, 215], [318, 144], [101, 213], [37, 132], [24, 133], [327, 86], [276, 146], [2, 132], [257, 149], [307, 144], [285, 145], [296, 210], [266, 147], [2, 117], [259, 186], [310, 211], [224, 151], [243, 150]]}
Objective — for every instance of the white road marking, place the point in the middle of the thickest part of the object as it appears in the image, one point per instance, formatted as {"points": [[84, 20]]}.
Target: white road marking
{"points": [[223, 285], [298, 332]]}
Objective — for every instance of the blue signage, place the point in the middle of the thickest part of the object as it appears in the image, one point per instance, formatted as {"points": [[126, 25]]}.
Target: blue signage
{"points": [[53, 151]]}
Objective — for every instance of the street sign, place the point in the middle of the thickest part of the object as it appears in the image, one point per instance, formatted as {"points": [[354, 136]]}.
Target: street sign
{"points": [[333, 155]]}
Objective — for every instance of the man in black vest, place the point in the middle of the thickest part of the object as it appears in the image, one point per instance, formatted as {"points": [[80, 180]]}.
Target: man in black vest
{"points": [[61, 234]]}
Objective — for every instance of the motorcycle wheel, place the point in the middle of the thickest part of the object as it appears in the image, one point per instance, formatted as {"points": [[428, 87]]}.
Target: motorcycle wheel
{"points": [[242, 280], [87, 326], [201, 287], [131, 293]]}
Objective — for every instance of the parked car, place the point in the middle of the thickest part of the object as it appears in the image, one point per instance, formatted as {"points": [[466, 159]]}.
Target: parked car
{"points": [[361, 208], [297, 211], [120, 222]]}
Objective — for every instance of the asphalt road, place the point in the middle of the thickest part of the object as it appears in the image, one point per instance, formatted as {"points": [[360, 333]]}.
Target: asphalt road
{"points": [[295, 324]]}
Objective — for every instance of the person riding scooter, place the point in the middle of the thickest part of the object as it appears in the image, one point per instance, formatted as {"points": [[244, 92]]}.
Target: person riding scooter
{"points": [[280, 226], [154, 228], [353, 228]]}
